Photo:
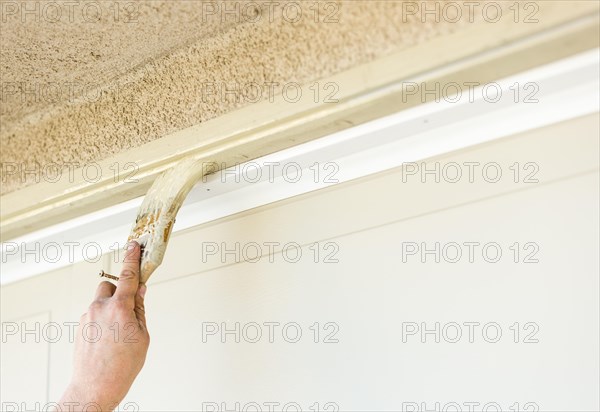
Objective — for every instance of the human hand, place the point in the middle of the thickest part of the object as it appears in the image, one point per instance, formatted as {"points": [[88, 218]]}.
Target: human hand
{"points": [[112, 341]]}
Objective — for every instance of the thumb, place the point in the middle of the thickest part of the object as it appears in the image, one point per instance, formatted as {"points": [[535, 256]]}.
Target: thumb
{"points": [[129, 278], [140, 309]]}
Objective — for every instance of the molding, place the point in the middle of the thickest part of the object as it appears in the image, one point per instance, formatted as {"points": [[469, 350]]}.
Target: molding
{"points": [[479, 53], [568, 89]]}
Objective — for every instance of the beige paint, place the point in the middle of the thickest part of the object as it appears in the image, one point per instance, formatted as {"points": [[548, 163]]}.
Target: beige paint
{"points": [[476, 52], [152, 72], [368, 293], [157, 214]]}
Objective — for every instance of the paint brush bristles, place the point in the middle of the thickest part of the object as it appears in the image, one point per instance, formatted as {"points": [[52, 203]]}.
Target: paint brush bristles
{"points": [[156, 216]]}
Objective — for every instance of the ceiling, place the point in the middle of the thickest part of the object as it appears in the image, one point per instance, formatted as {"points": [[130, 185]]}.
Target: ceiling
{"points": [[77, 48], [84, 82]]}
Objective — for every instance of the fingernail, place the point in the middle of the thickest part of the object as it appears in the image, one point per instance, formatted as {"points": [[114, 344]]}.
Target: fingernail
{"points": [[142, 290], [131, 245]]}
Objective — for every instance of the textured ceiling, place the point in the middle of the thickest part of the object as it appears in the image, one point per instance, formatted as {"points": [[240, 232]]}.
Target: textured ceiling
{"points": [[81, 47], [81, 83]]}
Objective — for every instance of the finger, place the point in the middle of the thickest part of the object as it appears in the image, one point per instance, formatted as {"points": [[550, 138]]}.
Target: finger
{"points": [[105, 290], [140, 309], [129, 279]]}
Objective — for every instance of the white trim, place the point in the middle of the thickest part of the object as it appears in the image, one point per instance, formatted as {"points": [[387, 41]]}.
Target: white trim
{"points": [[567, 89]]}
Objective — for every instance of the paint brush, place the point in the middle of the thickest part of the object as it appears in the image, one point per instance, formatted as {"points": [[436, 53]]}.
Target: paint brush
{"points": [[156, 216]]}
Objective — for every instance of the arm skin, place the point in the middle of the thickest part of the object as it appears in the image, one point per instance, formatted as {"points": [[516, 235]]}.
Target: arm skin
{"points": [[105, 369]]}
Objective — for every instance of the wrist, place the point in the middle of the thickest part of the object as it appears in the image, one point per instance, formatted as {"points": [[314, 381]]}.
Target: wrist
{"points": [[79, 398]]}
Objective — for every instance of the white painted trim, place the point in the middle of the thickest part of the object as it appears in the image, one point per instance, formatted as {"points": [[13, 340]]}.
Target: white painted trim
{"points": [[567, 89]]}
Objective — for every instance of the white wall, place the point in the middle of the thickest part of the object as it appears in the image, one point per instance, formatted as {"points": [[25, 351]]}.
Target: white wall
{"points": [[369, 299]]}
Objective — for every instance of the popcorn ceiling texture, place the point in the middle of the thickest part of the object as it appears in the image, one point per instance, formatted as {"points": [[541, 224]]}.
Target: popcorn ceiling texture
{"points": [[134, 82]]}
